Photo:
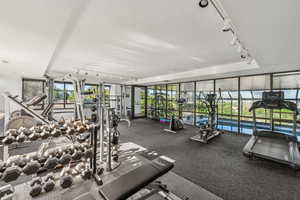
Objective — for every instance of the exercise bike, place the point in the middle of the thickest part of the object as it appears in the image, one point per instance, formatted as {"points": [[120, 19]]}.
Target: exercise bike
{"points": [[209, 130], [177, 123]]}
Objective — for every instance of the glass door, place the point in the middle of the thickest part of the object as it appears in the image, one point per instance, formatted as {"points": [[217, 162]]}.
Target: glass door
{"points": [[139, 101]]}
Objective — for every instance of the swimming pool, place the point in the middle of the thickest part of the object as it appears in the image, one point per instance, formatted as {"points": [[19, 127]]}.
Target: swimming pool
{"points": [[246, 127]]}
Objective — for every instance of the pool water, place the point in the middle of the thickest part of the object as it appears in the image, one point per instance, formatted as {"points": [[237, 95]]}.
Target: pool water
{"points": [[247, 127]]}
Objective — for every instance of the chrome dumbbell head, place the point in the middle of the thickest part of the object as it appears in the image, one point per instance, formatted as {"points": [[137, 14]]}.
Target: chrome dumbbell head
{"points": [[11, 173], [12, 132], [9, 139], [36, 187], [31, 167], [34, 136], [51, 163], [21, 137]]}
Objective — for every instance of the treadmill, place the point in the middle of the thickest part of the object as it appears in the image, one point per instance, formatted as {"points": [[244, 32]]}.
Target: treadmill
{"points": [[270, 144]]}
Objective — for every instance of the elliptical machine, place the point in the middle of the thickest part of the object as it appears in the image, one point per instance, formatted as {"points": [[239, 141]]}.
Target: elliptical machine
{"points": [[177, 123], [209, 130]]}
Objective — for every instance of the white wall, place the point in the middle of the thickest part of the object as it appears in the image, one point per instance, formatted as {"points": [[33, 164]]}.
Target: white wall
{"points": [[12, 85]]}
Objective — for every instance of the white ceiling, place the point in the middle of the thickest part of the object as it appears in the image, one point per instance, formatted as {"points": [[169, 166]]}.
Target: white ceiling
{"points": [[29, 31], [269, 28], [150, 41]]}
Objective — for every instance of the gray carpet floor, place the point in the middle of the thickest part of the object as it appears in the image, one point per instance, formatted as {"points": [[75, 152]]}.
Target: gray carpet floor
{"points": [[218, 167]]}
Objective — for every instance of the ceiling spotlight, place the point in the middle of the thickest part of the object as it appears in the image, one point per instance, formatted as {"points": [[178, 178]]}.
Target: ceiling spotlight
{"points": [[203, 3], [226, 26], [243, 56]]}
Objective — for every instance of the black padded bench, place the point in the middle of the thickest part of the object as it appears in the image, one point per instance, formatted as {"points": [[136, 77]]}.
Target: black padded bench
{"points": [[135, 180]]}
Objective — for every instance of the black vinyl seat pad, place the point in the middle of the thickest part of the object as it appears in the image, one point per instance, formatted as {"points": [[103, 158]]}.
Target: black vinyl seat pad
{"points": [[135, 180]]}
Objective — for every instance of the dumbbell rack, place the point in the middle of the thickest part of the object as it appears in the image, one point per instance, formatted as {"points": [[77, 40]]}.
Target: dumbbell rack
{"points": [[18, 172]]}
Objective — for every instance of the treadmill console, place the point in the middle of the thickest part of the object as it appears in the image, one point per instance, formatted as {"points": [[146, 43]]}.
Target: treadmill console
{"points": [[273, 96], [273, 99]]}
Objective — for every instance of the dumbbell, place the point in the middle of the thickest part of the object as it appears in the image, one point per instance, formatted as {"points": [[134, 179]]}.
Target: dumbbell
{"points": [[11, 173], [51, 162], [77, 123], [26, 131], [45, 127], [115, 139], [12, 132], [86, 174], [81, 129], [66, 181], [36, 129], [99, 171], [18, 160], [77, 155], [45, 134], [21, 137], [65, 158], [6, 190], [31, 167], [83, 169], [67, 124], [35, 181], [56, 132], [49, 183], [63, 130], [88, 153], [49, 176], [53, 126], [9, 139], [61, 122], [36, 187], [34, 136], [70, 131]]}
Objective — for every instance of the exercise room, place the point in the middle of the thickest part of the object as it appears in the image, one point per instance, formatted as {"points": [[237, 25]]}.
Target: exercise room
{"points": [[156, 100]]}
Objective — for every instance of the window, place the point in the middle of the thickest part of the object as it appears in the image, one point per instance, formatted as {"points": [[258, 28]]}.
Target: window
{"points": [[59, 95], [202, 89], [32, 88], [172, 97], [289, 83], [187, 92], [228, 104], [252, 88], [151, 102], [162, 98]]}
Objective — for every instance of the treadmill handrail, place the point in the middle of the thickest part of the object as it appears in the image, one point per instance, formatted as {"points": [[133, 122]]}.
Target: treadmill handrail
{"points": [[278, 105]]}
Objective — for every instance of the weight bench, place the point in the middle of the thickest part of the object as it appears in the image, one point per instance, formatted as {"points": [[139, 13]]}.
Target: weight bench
{"points": [[135, 180]]}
